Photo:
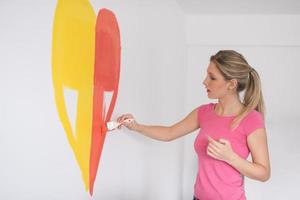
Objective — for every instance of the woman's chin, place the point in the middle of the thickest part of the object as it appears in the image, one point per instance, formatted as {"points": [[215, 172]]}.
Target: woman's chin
{"points": [[210, 96]]}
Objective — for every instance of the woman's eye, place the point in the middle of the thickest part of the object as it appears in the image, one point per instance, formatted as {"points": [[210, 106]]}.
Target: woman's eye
{"points": [[212, 78]]}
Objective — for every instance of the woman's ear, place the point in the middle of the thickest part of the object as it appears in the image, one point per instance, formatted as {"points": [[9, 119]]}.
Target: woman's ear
{"points": [[232, 84]]}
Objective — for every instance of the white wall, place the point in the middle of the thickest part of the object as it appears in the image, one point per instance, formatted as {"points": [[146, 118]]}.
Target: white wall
{"points": [[153, 53], [36, 159], [271, 45], [161, 81]]}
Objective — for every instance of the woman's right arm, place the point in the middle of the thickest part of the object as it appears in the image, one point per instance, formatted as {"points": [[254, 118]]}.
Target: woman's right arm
{"points": [[164, 133]]}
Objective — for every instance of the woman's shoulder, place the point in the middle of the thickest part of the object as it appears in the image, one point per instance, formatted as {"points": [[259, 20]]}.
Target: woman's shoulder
{"points": [[252, 121], [205, 107], [254, 115]]}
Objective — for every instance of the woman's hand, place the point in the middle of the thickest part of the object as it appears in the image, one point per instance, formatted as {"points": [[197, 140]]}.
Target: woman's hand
{"points": [[220, 150], [130, 125]]}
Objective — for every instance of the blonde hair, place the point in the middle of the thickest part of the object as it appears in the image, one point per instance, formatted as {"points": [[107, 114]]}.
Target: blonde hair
{"points": [[233, 65]]}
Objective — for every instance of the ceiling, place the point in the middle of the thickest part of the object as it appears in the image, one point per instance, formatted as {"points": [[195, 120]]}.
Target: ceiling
{"points": [[240, 6]]}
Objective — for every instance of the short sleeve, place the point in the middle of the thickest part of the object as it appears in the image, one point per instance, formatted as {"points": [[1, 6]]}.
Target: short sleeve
{"points": [[254, 121], [201, 111]]}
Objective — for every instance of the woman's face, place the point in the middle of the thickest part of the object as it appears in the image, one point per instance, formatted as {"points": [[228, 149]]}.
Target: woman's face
{"points": [[215, 84]]}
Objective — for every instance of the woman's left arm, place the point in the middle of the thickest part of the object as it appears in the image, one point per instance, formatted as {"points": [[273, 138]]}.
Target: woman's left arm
{"points": [[259, 168]]}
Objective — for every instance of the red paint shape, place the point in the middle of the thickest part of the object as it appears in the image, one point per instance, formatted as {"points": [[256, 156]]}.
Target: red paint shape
{"points": [[106, 79]]}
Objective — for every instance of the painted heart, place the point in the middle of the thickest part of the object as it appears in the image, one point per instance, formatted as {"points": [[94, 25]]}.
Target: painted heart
{"points": [[85, 58]]}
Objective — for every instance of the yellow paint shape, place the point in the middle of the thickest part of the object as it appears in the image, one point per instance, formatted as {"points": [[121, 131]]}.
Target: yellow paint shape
{"points": [[73, 53]]}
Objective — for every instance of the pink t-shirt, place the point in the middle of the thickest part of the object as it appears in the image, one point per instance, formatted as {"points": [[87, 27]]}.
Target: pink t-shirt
{"points": [[217, 180]]}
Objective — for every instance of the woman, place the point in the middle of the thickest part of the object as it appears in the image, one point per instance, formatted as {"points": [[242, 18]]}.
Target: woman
{"points": [[229, 130]]}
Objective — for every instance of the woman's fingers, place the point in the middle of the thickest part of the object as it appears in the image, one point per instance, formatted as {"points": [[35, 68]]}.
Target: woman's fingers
{"points": [[211, 152], [214, 142], [214, 149], [124, 117]]}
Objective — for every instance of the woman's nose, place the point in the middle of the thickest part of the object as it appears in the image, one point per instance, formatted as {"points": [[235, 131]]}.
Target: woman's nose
{"points": [[204, 82]]}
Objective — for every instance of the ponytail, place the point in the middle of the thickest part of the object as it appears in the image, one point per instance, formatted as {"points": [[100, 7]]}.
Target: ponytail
{"points": [[253, 98]]}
